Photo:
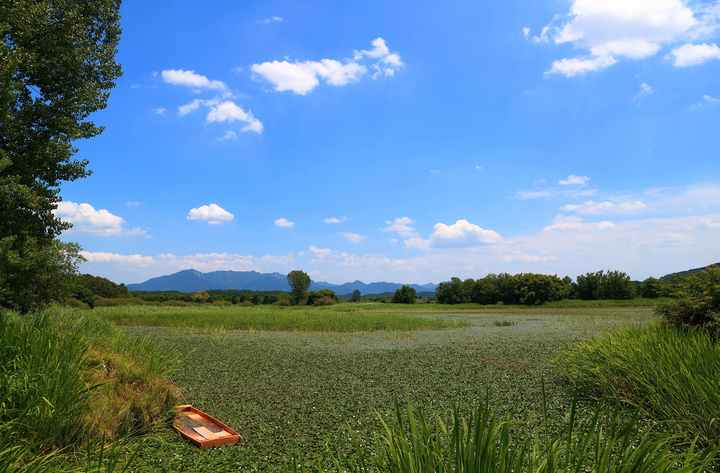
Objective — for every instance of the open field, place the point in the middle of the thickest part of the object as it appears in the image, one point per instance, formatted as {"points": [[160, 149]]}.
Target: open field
{"points": [[299, 391]]}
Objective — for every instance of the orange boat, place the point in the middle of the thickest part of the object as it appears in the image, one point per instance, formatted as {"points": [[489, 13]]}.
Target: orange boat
{"points": [[202, 429]]}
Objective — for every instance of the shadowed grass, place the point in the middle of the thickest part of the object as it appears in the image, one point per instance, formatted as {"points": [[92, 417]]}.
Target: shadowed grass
{"points": [[342, 318]]}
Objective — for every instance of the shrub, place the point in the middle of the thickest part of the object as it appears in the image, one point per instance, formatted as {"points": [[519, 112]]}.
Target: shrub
{"points": [[699, 305], [322, 297]]}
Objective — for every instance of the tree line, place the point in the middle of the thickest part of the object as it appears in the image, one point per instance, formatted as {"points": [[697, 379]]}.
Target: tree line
{"points": [[535, 289]]}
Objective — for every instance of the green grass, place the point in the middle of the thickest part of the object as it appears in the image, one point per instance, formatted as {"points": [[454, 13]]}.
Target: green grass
{"points": [[321, 394], [339, 318], [672, 376], [69, 384]]}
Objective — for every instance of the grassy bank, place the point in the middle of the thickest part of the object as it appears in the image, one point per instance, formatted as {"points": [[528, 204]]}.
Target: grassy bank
{"points": [[70, 381], [338, 318], [670, 375]]}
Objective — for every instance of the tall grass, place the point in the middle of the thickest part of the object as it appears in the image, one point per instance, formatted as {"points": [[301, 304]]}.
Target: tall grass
{"points": [[71, 382], [321, 319], [672, 376], [480, 443]]}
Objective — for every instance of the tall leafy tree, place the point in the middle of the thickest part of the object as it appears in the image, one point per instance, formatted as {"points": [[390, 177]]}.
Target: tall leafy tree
{"points": [[299, 282], [57, 67]]}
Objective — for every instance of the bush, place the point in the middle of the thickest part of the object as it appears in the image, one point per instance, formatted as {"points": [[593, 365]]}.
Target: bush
{"points": [[670, 375], [322, 297], [699, 305], [405, 295]]}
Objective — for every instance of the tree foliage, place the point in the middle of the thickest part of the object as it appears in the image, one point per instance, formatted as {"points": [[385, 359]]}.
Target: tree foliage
{"points": [[57, 67], [526, 288], [356, 296], [698, 305], [605, 285], [405, 295], [299, 282]]}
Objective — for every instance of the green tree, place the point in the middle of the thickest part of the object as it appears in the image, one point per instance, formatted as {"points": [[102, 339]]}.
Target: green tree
{"points": [[356, 296], [57, 66], [299, 282], [405, 295]]}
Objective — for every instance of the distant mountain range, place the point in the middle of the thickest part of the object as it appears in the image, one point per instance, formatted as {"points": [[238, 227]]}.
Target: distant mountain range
{"points": [[191, 280]]}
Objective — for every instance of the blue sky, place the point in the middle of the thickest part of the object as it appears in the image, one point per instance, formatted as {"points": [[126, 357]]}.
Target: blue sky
{"points": [[405, 141]]}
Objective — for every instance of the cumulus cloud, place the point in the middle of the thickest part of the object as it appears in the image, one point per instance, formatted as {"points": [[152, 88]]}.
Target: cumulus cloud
{"points": [[645, 90], [86, 219], [461, 234], [607, 207], [229, 135], [334, 220], [689, 55], [282, 222], [228, 112], [301, 77], [573, 180], [566, 223], [608, 30], [188, 78], [353, 237], [210, 213]]}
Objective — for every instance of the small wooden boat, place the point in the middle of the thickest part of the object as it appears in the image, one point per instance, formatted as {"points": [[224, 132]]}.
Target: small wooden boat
{"points": [[202, 429]]}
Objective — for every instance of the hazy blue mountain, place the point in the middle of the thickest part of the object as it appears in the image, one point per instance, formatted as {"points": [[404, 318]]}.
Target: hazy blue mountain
{"points": [[191, 280]]}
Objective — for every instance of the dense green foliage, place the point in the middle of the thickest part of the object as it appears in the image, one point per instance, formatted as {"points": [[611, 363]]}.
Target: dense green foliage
{"points": [[671, 375], [526, 288], [698, 305], [57, 66], [299, 282], [356, 296], [68, 380], [405, 295], [604, 285]]}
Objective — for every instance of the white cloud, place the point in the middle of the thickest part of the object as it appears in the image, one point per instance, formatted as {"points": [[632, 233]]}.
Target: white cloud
{"points": [[645, 90], [571, 67], [403, 226], [159, 111], [318, 252], [229, 111], [711, 100], [526, 32], [210, 213], [282, 222], [566, 223], [271, 19], [694, 54], [229, 135], [301, 77], [102, 257], [334, 220], [193, 105], [187, 78], [606, 30], [607, 207], [573, 180], [86, 219], [353, 237], [461, 234]]}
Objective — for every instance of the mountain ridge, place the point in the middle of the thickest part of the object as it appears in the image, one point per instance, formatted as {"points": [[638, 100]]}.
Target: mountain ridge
{"points": [[191, 280]]}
